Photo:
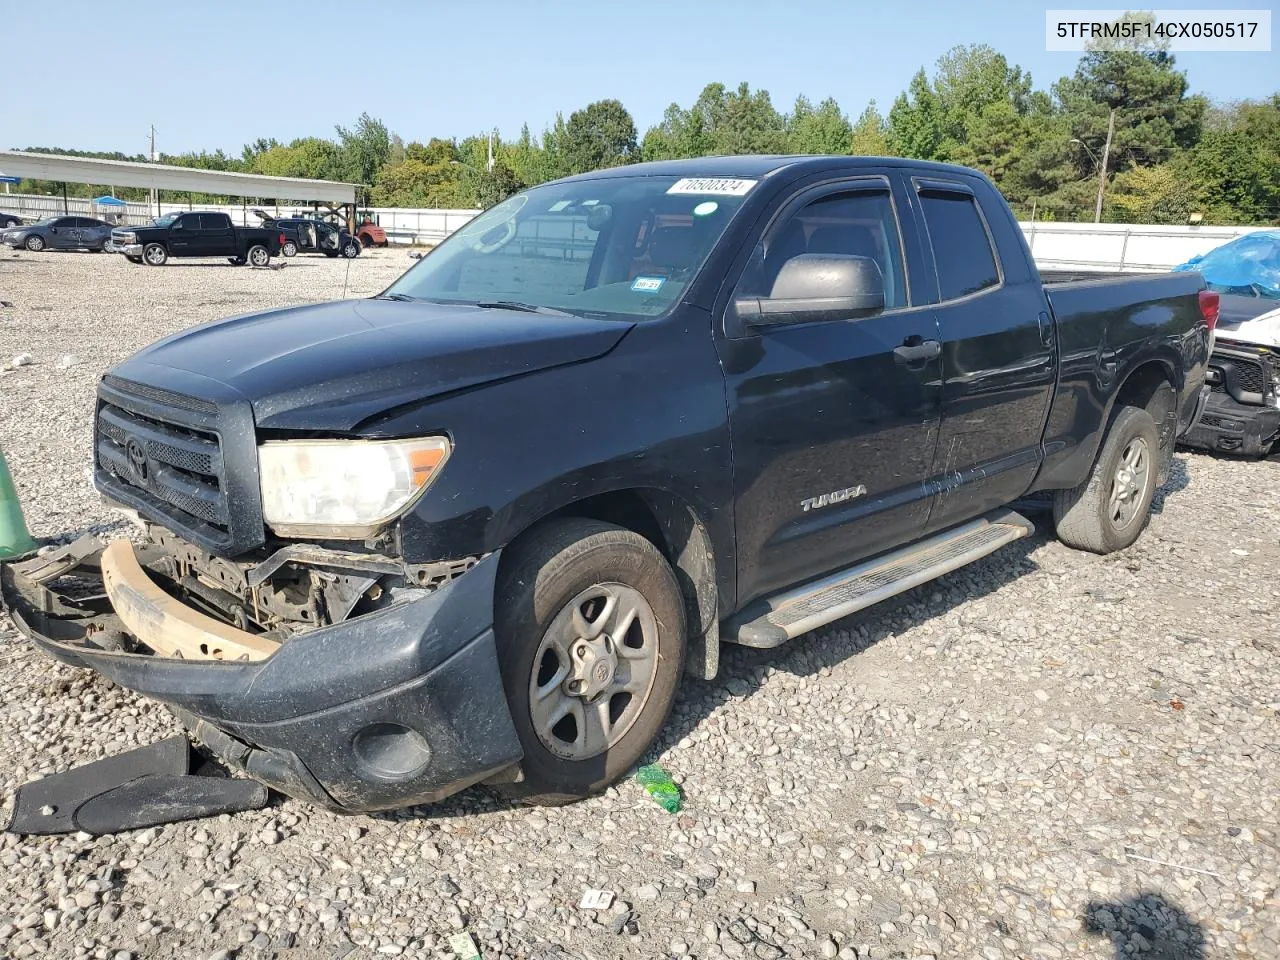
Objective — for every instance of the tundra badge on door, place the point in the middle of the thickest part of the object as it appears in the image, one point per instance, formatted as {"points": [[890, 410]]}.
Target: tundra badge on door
{"points": [[836, 496]]}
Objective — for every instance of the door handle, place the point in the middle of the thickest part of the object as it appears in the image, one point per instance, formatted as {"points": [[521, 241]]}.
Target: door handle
{"points": [[914, 350]]}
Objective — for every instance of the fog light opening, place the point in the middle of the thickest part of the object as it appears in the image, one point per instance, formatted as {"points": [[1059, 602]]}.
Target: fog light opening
{"points": [[390, 751]]}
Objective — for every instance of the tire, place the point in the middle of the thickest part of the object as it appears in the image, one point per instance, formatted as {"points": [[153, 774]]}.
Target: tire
{"points": [[574, 566], [236, 261], [351, 249], [1097, 515], [134, 259], [34, 243], [289, 249], [258, 255], [155, 255], [366, 241]]}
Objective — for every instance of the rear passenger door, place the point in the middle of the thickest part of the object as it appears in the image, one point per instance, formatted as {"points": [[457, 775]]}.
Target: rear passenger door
{"points": [[998, 356], [217, 238]]}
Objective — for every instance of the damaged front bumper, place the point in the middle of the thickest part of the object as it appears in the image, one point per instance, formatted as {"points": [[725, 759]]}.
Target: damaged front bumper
{"points": [[400, 706], [1228, 426]]}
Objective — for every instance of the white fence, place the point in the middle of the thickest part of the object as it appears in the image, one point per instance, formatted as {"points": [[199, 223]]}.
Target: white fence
{"points": [[1091, 247], [1055, 246]]}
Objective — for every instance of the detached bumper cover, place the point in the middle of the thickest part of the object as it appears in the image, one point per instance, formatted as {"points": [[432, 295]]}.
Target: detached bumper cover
{"points": [[1230, 427], [395, 708]]}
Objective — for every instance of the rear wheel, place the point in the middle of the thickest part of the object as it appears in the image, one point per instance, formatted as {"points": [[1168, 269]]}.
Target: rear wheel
{"points": [[289, 249], [366, 240], [591, 635], [35, 243], [351, 248], [155, 255], [259, 256], [1111, 508]]}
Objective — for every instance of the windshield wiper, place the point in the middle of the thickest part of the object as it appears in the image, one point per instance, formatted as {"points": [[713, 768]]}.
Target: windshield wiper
{"points": [[522, 307], [400, 297]]}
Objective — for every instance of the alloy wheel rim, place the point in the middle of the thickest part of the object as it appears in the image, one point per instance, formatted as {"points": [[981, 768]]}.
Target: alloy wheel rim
{"points": [[594, 671], [1129, 483]]}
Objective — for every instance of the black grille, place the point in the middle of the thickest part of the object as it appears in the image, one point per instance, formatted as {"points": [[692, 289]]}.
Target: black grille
{"points": [[1249, 375], [156, 395], [1243, 375], [178, 466]]}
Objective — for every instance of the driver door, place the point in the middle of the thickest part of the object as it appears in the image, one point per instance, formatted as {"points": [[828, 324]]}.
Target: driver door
{"points": [[834, 428]]}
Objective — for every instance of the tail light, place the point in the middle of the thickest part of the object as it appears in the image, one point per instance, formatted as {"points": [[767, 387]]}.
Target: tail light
{"points": [[1215, 309], [1209, 306]]}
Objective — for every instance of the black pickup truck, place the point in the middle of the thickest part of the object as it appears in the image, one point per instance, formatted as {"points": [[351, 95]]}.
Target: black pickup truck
{"points": [[199, 234], [476, 528]]}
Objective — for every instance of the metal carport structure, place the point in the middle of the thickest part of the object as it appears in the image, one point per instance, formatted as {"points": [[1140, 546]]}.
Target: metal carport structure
{"points": [[161, 176]]}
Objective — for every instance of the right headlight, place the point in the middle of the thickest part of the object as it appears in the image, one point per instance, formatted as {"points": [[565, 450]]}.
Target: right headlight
{"points": [[344, 489]]}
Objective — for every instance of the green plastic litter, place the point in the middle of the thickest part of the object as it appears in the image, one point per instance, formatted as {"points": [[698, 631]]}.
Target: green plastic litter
{"points": [[464, 946], [659, 785]]}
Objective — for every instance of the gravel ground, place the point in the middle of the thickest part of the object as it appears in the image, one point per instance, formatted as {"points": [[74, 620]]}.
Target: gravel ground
{"points": [[986, 769]]}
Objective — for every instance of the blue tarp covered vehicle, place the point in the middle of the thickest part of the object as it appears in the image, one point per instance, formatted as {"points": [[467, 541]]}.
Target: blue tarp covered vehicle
{"points": [[1248, 265]]}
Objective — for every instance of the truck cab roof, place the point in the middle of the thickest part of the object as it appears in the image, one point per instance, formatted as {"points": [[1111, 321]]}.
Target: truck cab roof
{"points": [[759, 167]]}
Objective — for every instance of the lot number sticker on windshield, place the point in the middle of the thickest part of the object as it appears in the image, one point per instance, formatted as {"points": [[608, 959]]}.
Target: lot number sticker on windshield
{"points": [[712, 186], [647, 284]]}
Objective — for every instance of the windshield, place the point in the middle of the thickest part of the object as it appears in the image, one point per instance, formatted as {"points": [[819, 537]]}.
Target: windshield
{"points": [[625, 246], [166, 220]]}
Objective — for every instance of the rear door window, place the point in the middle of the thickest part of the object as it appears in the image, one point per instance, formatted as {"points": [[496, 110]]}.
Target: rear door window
{"points": [[215, 221], [962, 252]]}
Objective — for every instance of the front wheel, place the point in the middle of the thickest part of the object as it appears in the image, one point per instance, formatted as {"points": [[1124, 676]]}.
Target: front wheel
{"points": [[289, 249], [351, 249], [259, 256], [35, 243], [155, 255], [1111, 508], [591, 635]]}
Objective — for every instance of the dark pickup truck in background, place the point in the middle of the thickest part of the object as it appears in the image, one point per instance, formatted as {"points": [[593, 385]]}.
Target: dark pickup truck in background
{"points": [[477, 527], [196, 234]]}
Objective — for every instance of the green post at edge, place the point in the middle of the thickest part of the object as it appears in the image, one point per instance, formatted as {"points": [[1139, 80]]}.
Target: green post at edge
{"points": [[15, 541]]}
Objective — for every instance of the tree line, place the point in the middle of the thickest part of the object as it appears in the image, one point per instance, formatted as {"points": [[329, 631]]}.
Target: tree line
{"points": [[1172, 152]]}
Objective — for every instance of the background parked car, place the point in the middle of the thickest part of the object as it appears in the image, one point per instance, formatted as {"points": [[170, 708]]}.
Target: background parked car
{"points": [[304, 235], [60, 233], [9, 220]]}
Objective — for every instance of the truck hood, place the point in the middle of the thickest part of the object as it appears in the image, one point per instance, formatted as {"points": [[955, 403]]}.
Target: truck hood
{"points": [[331, 366], [1262, 330]]}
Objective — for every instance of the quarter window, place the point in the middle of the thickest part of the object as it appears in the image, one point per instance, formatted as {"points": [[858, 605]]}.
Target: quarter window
{"points": [[961, 247]]}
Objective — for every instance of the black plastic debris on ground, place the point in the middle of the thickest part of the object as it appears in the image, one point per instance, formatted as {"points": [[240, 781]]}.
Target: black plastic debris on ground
{"points": [[141, 788]]}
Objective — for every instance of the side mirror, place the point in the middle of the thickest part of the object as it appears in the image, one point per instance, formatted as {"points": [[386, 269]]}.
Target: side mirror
{"points": [[817, 286]]}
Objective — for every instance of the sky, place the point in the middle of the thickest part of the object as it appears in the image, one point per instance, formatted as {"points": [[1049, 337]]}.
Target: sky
{"points": [[95, 76]]}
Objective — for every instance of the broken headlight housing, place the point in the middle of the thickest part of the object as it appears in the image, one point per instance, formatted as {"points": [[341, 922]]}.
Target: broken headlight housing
{"points": [[344, 489]]}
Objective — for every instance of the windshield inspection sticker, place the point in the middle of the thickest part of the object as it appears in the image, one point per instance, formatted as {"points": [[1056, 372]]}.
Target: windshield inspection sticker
{"points": [[706, 208], [647, 284], [714, 186]]}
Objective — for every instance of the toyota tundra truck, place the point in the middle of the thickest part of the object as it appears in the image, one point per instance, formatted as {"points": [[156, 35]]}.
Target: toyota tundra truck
{"points": [[479, 527]]}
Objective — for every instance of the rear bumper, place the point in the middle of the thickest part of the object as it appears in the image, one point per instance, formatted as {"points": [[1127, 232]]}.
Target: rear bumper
{"points": [[1230, 427], [399, 707]]}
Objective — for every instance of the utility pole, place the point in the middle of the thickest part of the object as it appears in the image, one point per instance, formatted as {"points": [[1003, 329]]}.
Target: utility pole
{"points": [[1102, 167], [151, 155], [490, 166]]}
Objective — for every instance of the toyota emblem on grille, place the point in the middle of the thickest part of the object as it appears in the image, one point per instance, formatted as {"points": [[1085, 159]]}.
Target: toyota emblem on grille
{"points": [[137, 458]]}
